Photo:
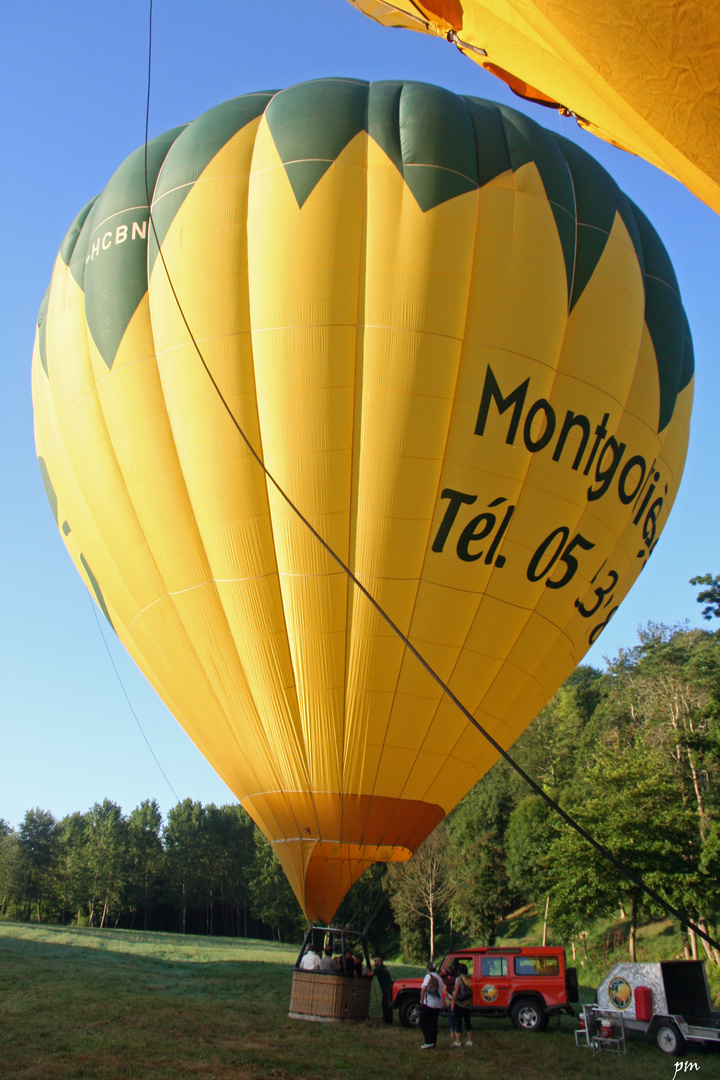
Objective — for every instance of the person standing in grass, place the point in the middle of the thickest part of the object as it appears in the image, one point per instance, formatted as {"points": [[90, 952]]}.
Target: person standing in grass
{"points": [[430, 1006], [461, 997], [385, 982]]}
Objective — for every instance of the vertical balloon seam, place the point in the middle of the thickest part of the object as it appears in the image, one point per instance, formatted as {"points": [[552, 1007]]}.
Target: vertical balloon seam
{"points": [[167, 596], [618, 533], [357, 595], [258, 727], [340, 730], [404, 660], [528, 610], [398, 165], [298, 731], [398, 799], [571, 290], [404, 194], [353, 468], [270, 751], [585, 510], [355, 462], [78, 230], [271, 755], [92, 582], [89, 578], [50, 409], [258, 454], [555, 371]]}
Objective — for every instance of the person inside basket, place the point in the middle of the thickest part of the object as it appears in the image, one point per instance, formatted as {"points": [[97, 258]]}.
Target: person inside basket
{"points": [[329, 962], [310, 961]]}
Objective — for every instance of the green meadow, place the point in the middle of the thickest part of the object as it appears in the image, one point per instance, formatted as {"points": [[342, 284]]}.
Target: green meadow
{"points": [[122, 1005]]}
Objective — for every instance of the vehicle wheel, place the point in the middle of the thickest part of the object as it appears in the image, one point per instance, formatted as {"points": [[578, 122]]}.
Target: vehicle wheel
{"points": [[528, 1015], [571, 984], [669, 1039], [410, 1012]]}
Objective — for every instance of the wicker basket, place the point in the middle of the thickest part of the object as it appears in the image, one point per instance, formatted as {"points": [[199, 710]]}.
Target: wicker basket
{"points": [[325, 997]]}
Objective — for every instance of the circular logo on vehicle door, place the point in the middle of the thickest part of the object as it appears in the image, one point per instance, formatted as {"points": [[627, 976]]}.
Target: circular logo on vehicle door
{"points": [[620, 993], [489, 992]]}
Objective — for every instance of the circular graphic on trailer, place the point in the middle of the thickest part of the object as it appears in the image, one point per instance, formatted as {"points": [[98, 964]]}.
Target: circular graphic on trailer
{"points": [[620, 993], [489, 992]]}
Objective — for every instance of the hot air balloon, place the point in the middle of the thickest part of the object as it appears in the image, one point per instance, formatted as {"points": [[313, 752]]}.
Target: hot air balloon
{"points": [[456, 347], [642, 74]]}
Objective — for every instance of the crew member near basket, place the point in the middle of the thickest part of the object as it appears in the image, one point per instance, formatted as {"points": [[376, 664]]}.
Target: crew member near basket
{"points": [[385, 982]]}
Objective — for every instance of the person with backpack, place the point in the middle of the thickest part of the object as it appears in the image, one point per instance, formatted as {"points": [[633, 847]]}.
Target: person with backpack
{"points": [[431, 1003], [462, 998]]}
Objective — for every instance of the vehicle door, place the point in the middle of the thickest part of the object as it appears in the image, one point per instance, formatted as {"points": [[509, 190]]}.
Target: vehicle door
{"points": [[492, 982]]}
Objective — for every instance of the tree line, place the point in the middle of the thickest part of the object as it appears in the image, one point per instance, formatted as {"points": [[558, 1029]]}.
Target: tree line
{"points": [[632, 753], [206, 870]]}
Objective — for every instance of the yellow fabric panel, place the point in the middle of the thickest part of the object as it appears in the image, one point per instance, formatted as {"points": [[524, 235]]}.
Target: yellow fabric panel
{"points": [[644, 76], [304, 271], [609, 346], [159, 645], [414, 302], [164, 657], [226, 489]]}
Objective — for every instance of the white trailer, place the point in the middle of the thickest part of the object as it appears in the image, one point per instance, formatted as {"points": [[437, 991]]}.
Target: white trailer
{"points": [[667, 1001]]}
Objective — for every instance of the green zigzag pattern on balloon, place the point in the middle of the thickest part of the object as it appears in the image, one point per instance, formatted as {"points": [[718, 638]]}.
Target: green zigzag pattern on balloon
{"points": [[443, 144]]}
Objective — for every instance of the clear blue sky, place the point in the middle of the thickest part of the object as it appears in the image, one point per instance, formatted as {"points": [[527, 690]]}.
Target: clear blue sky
{"points": [[72, 108]]}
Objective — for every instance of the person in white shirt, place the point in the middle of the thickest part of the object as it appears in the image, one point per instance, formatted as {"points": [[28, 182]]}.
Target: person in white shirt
{"points": [[310, 961], [431, 996]]}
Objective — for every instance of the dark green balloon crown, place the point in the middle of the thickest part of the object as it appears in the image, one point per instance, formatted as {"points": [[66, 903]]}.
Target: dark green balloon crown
{"points": [[443, 144]]}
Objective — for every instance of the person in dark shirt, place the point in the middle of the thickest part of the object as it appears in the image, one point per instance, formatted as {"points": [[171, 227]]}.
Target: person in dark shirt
{"points": [[385, 982], [328, 961]]}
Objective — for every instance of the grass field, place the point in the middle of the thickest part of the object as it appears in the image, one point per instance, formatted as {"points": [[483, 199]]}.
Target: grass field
{"points": [[118, 1005]]}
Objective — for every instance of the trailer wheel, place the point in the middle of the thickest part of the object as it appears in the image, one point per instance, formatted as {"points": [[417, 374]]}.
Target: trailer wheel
{"points": [[669, 1039], [410, 1011]]}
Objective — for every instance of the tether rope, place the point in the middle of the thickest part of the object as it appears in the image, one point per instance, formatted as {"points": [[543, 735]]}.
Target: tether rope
{"points": [[122, 687]]}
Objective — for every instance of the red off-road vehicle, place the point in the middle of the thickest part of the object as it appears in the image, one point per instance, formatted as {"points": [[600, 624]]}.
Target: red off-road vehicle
{"points": [[526, 984]]}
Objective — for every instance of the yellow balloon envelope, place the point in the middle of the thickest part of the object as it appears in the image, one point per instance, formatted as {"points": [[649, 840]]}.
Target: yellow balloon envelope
{"points": [[642, 74], [460, 351]]}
